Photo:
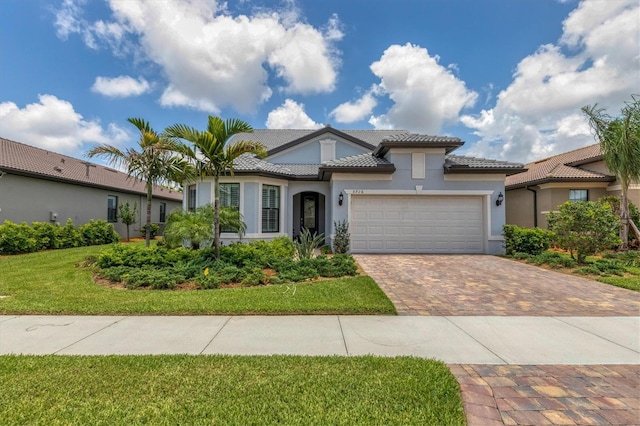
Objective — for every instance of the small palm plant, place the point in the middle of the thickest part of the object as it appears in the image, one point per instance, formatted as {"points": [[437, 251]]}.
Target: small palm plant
{"points": [[307, 244]]}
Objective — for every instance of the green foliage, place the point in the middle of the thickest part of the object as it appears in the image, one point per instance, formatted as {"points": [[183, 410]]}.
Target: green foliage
{"points": [[97, 232], [325, 249], [208, 282], [195, 227], [626, 258], [553, 259], [614, 203], [258, 252], [342, 239], [155, 228], [128, 215], [158, 279], [338, 265], [254, 276], [526, 240], [307, 244], [115, 274], [584, 228], [46, 235], [136, 256], [16, 238], [69, 236]]}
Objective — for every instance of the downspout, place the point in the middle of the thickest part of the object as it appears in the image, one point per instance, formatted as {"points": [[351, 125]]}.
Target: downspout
{"points": [[535, 206]]}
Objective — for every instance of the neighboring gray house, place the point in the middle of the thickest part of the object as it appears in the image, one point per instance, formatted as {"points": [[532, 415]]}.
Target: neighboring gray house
{"points": [[37, 185], [400, 192]]}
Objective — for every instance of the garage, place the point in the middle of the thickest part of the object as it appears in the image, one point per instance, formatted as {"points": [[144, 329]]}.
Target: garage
{"points": [[417, 224]]}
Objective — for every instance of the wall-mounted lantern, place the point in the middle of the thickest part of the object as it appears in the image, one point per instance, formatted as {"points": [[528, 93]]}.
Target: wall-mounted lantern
{"points": [[500, 199], [340, 199]]}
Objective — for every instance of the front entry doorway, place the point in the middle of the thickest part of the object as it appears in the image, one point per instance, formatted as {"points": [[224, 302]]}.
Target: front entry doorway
{"points": [[309, 211]]}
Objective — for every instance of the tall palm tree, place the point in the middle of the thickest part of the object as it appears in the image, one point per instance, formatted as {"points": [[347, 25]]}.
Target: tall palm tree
{"points": [[620, 144], [213, 155], [155, 163]]}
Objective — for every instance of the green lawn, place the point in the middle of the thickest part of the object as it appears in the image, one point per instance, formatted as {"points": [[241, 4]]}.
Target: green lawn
{"points": [[242, 390], [630, 282], [50, 283]]}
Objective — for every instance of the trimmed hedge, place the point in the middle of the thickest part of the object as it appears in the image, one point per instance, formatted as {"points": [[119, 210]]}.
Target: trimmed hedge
{"points": [[22, 238], [532, 241]]}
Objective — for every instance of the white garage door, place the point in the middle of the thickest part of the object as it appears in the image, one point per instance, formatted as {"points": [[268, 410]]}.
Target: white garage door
{"points": [[416, 224]]}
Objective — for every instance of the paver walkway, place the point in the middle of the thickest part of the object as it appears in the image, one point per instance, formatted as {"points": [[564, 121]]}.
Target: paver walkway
{"points": [[550, 394], [447, 285]]}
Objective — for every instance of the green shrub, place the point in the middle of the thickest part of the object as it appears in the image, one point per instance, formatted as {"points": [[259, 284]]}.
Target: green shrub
{"points": [[307, 244], [584, 228], [521, 256], [155, 228], [553, 259], [46, 235], [587, 270], [140, 256], [208, 281], [97, 232], [325, 249], [342, 240], [157, 279], [15, 239], [526, 240], [626, 258], [254, 276], [344, 264], [70, 236], [115, 273]]}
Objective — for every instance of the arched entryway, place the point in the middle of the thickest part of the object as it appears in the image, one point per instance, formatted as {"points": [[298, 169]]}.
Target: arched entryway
{"points": [[308, 212]]}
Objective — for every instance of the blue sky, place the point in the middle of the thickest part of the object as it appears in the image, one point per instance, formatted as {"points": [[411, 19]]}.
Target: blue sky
{"points": [[508, 77]]}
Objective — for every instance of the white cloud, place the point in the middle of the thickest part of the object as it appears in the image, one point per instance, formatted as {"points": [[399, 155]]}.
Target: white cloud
{"points": [[53, 124], [350, 112], [290, 115], [538, 114], [426, 95], [212, 59], [120, 87]]}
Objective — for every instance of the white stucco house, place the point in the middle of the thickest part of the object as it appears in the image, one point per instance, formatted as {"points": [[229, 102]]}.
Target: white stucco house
{"points": [[400, 192]]}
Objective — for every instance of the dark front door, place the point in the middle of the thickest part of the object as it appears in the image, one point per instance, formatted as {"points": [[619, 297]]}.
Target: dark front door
{"points": [[309, 212]]}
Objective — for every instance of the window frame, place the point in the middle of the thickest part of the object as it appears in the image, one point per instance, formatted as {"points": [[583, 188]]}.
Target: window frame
{"points": [[271, 213], [163, 213], [192, 197], [230, 199], [574, 199], [112, 212]]}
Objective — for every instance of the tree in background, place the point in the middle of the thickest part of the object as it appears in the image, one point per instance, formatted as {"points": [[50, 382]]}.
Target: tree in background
{"points": [[156, 163], [619, 140], [213, 155], [128, 216]]}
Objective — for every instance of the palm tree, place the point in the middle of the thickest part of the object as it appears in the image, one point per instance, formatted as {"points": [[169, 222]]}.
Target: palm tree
{"points": [[213, 155], [155, 163], [620, 144]]}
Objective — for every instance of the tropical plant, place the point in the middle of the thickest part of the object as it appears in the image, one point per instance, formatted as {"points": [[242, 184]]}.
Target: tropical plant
{"points": [[619, 140], [584, 228], [307, 243], [155, 163], [128, 216], [213, 155], [197, 226], [342, 239]]}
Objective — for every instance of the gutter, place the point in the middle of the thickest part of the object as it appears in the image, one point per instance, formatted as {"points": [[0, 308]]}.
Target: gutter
{"points": [[535, 206]]}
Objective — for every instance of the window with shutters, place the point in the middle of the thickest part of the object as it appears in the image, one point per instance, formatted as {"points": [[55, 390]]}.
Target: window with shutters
{"points": [[270, 208], [229, 197]]}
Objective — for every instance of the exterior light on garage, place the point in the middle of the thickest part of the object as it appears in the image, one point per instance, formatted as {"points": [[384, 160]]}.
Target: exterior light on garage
{"points": [[500, 199], [340, 199]]}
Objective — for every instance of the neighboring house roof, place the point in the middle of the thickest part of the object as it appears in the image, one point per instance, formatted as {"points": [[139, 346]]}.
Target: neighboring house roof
{"points": [[26, 160], [561, 167]]}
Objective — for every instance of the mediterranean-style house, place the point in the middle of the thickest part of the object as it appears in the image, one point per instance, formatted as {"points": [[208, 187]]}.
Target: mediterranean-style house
{"points": [[37, 185], [578, 175], [399, 192]]}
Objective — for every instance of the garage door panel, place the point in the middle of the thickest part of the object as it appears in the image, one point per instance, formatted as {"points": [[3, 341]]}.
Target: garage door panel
{"points": [[417, 224]]}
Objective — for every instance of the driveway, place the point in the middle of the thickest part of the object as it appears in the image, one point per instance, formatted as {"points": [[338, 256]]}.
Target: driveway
{"points": [[477, 285]]}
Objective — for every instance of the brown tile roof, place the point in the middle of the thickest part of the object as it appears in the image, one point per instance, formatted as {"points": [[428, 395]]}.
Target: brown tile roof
{"points": [[561, 167], [18, 158]]}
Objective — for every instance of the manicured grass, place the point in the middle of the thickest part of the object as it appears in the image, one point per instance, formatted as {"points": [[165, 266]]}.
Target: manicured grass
{"points": [[50, 283], [630, 282], [170, 390]]}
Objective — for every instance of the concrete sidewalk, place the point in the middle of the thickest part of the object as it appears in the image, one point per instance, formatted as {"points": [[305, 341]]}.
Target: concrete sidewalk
{"points": [[454, 340]]}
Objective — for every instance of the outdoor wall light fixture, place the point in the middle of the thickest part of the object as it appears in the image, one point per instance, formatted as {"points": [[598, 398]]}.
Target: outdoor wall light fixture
{"points": [[340, 199], [500, 199]]}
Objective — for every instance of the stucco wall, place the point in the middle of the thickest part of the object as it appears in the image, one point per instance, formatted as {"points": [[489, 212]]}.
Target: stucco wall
{"points": [[519, 207], [309, 152], [26, 199]]}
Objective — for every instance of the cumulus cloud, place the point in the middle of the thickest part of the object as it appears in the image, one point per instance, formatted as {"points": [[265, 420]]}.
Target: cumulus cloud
{"points": [[596, 60], [425, 94], [120, 87], [290, 115], [54, 124], [350, 112], [211, 58]]}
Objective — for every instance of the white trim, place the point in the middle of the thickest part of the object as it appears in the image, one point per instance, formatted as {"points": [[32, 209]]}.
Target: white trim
{"points": [[327, 150], [573, 185], [546, 212], [416, 150], [253, 236], [495, 238], [358, 176], [253, 179], [418, 165], [445, 192], [283, 195], [490, 177], [315, 140]]}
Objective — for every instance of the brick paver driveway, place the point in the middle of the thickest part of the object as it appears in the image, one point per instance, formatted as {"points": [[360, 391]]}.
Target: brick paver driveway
{"points": [[448, 285], [517, 394]]}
